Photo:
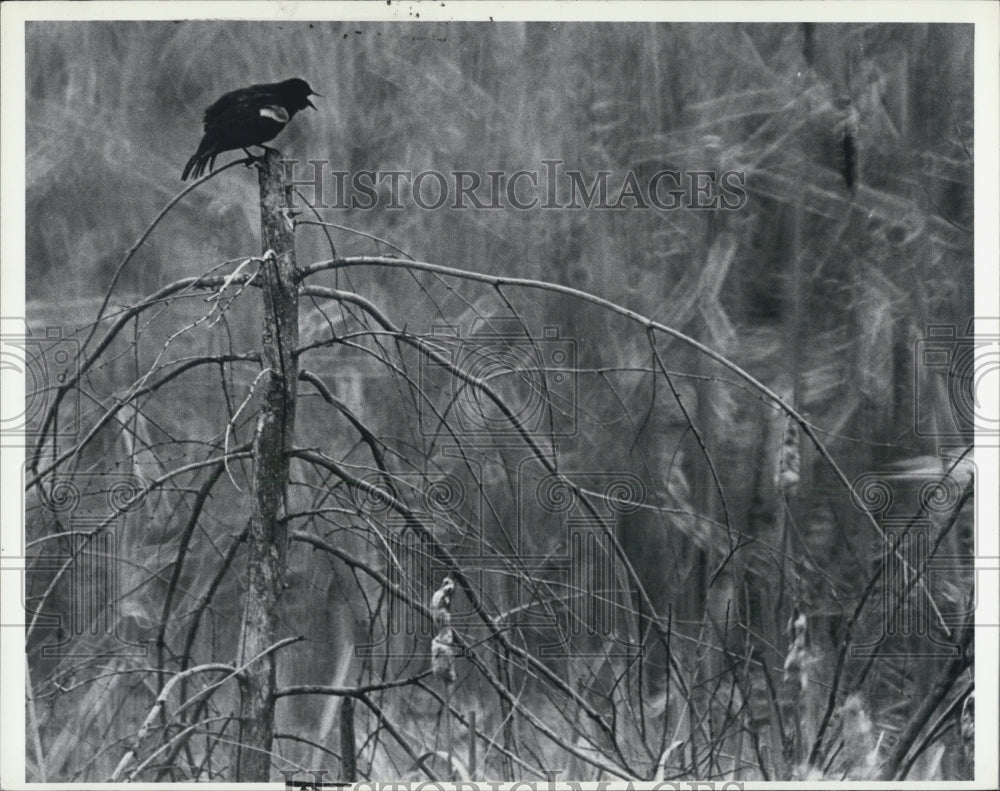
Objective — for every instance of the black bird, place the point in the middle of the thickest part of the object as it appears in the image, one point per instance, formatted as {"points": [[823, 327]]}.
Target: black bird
{"points": [[247, 117]]}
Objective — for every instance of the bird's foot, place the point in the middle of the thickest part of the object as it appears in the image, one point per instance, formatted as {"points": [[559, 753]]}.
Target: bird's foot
{"points": [[258, 159]]}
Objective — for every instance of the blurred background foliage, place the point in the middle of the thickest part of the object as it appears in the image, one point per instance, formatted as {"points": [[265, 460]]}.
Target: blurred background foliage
{"points": [[820, 289], [114, 110]]}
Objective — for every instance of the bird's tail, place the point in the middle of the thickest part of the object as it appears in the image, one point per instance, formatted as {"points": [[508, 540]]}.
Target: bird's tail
{"points": [[195, 166], [191, 163]]}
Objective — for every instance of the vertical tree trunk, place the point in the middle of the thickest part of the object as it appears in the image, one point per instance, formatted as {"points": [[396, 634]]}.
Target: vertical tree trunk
{"points": [[268, 535], [348, 760]]}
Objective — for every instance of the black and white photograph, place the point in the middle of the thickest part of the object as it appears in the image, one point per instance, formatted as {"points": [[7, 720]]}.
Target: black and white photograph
{"points": [[457, 395]]}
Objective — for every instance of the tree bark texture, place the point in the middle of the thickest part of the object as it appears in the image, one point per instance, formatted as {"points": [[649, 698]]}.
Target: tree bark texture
{"points": [[268, 534]]}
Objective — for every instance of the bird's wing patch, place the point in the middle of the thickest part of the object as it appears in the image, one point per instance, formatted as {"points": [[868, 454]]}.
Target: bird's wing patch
{"points": [[275, 112]]}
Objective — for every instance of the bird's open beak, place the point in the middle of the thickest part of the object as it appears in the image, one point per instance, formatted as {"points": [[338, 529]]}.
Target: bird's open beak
{"points": [[310, 103]]}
